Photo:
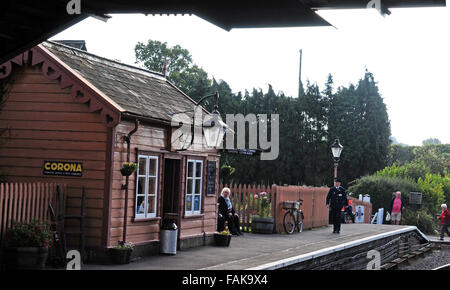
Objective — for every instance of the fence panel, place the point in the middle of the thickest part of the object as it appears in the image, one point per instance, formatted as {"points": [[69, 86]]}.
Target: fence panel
{"points": [[23, 202], [244, 203]]}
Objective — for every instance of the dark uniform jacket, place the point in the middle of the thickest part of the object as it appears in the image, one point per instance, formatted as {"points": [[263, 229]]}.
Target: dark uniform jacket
{"points": [[223, 207], [337, 197]]}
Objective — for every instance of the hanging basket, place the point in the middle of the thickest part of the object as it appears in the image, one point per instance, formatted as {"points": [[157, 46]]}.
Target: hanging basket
{"points": [[126, 171], [128, 168]]}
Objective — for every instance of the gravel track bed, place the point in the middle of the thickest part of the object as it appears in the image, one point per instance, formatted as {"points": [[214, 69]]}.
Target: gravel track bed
{"points": [[436, 258]]}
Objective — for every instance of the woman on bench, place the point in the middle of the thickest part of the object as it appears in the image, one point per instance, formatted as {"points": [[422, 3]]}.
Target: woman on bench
{"points": [[227, 214]]}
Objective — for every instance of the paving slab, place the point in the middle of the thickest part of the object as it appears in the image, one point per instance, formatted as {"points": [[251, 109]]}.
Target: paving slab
{"points": [[261, 251]]}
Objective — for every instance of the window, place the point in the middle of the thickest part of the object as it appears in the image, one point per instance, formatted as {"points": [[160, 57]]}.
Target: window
{"points": [[194, 175], [147, 186]]}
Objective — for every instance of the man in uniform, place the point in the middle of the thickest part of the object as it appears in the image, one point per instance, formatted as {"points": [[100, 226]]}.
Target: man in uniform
{"points": [[336, 199]]}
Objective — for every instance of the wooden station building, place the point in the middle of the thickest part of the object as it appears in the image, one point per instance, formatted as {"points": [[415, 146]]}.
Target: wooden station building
{"points": [[66, 115]]}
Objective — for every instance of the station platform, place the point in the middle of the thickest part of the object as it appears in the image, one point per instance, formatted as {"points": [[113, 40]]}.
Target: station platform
{"points": [[317, 248]]}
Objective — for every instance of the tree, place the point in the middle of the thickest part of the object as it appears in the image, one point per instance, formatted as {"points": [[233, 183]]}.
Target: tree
{"points": [[309, 123], [180, 69], [430, 141], [358, 116]]}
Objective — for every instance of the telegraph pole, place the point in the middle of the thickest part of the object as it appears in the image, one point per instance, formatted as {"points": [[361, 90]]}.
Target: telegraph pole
{"points": [[300, 74]]}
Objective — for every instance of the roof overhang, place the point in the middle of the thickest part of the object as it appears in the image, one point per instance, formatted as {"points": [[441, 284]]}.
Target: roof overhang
{"points": [[26, 23]]}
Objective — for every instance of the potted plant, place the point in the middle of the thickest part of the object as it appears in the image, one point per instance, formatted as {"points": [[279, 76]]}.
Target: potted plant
{"points": [[27, 245], [263, 222], [223, 238], [121, 253], [128, 168]]}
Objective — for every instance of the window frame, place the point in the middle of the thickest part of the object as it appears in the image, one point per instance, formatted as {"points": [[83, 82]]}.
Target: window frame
{"points": [[147, 176], [194, 177]]}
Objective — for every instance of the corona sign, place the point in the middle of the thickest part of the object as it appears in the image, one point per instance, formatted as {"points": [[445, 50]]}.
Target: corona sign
{"points": [[63, 168]]}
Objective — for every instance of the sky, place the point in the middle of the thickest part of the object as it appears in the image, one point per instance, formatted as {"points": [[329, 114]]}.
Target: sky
{"points": [[408, 52]]}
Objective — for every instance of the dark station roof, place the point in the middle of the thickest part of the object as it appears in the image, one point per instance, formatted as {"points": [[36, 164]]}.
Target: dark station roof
{"points": [[138, 91], [26, 23]]}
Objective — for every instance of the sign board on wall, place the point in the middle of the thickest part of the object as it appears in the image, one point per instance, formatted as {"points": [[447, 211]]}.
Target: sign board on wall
{"points": [[359, 214], [211, 178], [63, 168]]}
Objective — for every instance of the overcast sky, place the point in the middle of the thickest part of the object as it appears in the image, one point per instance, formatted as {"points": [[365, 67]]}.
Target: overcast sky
{"points": [[408, 52]]}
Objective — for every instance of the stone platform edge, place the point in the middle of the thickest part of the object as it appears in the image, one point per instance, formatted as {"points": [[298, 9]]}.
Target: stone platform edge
{"points": [[304, 257]]}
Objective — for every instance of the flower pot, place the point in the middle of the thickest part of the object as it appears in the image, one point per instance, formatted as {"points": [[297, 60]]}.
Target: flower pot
{"points": [[121, 256], [126, 171], [25, 258], [262, 225], [222, 240]]}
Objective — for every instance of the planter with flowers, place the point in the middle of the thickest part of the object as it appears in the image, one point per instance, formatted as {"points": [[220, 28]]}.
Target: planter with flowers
{"points": [[223, 238], [263, 223], [128, 168], [121, 253], [27, 245]]}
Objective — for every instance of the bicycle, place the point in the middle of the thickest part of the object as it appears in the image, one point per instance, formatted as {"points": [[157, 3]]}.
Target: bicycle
{"points": [[293, 218]]}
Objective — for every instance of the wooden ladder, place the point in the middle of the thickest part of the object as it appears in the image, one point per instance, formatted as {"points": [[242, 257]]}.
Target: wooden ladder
{"points": [[78, 217]]}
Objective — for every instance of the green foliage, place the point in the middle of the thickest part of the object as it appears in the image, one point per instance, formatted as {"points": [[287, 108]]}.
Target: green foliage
{"points": [[433, 158], [400, 154], [180, 70], [225, 173], [413, 170], [432, 189], [381, 189], [358, 116], [421, 219], [124, 246], [264, 204], [33, 234]]}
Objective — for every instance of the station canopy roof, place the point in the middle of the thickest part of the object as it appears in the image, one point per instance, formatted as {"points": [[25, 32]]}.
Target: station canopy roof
{"points": [[26, 23]]}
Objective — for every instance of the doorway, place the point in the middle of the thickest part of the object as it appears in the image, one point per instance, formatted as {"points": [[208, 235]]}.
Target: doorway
{"points": [[171, 193]]}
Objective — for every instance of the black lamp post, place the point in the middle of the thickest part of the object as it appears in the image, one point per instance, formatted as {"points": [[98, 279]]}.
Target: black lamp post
{"points": [[336, 150]]}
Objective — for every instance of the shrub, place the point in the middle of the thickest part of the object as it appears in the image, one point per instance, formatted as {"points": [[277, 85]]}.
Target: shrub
{"points": [[381, 189], [432, 189], [412, 170], [421, 219]]}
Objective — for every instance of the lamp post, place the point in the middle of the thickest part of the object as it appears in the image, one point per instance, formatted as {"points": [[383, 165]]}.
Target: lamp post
{"points": [[336, 150]]}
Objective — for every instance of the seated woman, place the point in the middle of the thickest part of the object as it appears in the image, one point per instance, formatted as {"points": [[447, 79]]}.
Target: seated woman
{"points": [[227, 214]]}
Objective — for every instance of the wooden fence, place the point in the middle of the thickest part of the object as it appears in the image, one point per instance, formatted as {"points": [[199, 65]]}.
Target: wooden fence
{"points": [[245, 204], [23, 202], [314, 204]]}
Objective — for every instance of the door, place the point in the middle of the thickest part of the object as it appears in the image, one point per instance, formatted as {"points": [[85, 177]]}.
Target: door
{"points": [[171, 192]]}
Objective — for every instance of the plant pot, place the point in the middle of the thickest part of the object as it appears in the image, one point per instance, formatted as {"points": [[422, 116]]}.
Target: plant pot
{"points": [[126, 171], [262, 225], [120, 256], [222, 240], [25, 258]]}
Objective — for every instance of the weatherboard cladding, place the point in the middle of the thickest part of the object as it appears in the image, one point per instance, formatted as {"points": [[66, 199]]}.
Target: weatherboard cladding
{"points": [[136, 90]]}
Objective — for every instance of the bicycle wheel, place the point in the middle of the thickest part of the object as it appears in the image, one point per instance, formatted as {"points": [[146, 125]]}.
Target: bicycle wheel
{"points": [[289, 222], [300, 221]]}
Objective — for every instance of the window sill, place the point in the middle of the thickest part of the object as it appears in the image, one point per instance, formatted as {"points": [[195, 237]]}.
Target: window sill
{"points": [[193, 216], [137, 220]]}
